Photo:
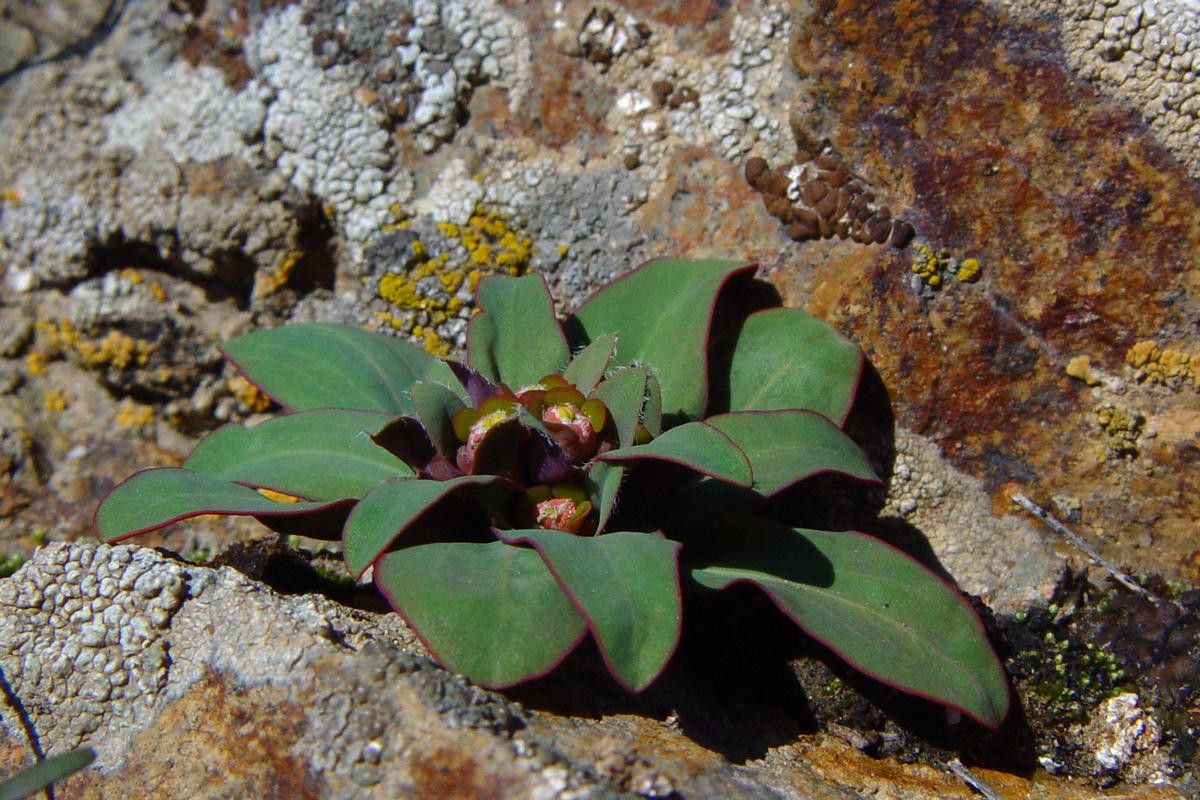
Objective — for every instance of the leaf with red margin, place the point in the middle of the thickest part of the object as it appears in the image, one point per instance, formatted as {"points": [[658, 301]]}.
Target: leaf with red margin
{"points": [[662, 312], [312, 365], [436, 406], [783, 358], [516, 339], [492, 611], [391, 508], [626, 585], [588, 366], [784, 447], [623, 394], [150, 499], [695, 445], [879, 609], [320, 455]]}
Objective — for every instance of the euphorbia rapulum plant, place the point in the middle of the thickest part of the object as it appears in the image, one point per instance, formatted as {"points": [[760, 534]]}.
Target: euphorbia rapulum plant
{"points": [[580, 478]]}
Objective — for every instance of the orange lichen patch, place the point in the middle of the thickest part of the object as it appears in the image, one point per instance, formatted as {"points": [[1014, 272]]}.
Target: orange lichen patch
{"points": [[969, 271], [248, 395], [268, 283], [132, 415], [10, 197], [115, 349]]}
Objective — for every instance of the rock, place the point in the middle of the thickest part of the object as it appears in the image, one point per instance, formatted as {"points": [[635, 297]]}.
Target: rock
{"points": [[198, 682]]}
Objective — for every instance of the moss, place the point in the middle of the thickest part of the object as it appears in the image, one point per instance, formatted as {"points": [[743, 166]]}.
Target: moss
{"points": [[10, 564]]}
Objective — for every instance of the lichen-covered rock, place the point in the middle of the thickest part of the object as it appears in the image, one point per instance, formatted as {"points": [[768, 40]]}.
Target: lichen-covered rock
{"points": [[1141, 53], [198, 682]]}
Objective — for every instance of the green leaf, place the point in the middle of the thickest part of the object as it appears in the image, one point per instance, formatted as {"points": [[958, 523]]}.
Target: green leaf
{"points": [[490, 611], [626, 585], [156, 497], [38, 776], [623, 393], [652, 413], [784, 358], [587, 368], [390, 508], [316, 365], [318, 455], [662, 312], [436, 406], [516, 337], [695, 445], [785, 447], [440, 373], [883, 612], [603, 481]]}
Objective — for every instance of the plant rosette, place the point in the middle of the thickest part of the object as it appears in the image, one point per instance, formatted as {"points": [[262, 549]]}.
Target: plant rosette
{"points": [[580, 477]]}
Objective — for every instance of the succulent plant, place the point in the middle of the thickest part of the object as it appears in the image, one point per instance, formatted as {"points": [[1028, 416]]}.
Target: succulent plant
{"points": [[580, 478]]}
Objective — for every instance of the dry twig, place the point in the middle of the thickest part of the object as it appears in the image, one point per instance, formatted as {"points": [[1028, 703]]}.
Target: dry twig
{"points": [[1077, 540]]}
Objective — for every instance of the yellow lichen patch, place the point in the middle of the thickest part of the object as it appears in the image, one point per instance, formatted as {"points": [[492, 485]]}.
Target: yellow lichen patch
{"points": [[1142, 354], [35, 362], [11, 197], [132, 415], [115, 349], [969, 271], [1080, 367], [433, 345], [55, 400], [1122, 428], [248, 395], [433, 289], [1167, 367], [157, 291], [278, 497], [132, 275], [930, 264]]}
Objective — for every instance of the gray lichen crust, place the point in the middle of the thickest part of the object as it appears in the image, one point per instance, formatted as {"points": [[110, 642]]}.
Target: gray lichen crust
{"points": [[107, 645], [1144, 54], [953, 511], [82, 638]]}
